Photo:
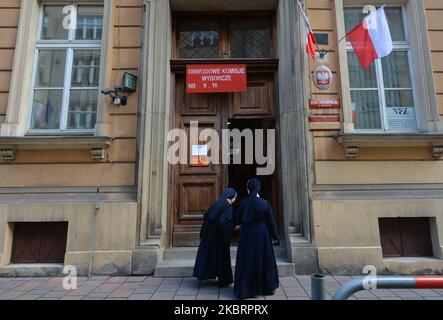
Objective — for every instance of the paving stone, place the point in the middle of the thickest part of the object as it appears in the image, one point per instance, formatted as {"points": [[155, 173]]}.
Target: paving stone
{"points": [[163, 296], [28, 297], [116, 280], [107, 287], [120, 293], [185, 297], [140, 297], [84, 291], [146, 290], [406, 294], [10, 295], [72, 298], [276, 297], [207, 296], [168, 288], [176, 281], [38, 292], [298, 298], [256, 298], [56, 294], [11, 284], [426, 293], [153, 281], [99, 295], [185, 291], [130, 285], [135, 279]]}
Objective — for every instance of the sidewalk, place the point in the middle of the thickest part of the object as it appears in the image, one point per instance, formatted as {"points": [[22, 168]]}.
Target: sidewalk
{"points": [[149, 288]]}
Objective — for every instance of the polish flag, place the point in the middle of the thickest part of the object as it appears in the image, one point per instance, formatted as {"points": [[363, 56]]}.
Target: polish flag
{"points": [[371, 39], [311, 42]]}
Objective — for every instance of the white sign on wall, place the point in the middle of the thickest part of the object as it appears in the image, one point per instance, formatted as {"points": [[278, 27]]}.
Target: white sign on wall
{"points": [[401, 118]]}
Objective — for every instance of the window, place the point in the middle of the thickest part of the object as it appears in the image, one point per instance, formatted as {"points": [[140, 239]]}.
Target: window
{"points": [[224, 37], [39, 242], [66, 75], [251, 39], [405, 237], [198, 39], [382, 96]]}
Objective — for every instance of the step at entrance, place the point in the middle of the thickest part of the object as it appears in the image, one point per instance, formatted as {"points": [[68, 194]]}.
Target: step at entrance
{"points": [[179, 263]]}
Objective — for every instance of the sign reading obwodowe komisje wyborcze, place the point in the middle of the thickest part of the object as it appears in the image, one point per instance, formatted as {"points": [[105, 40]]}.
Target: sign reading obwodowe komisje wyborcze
{"points": [[216, 78]]}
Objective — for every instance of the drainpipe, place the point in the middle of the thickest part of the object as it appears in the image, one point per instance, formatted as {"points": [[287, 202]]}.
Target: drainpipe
{"points": [[93, 232]]}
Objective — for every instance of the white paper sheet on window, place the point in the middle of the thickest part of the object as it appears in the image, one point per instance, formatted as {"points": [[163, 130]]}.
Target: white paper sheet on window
{"points": [[401, 118]]}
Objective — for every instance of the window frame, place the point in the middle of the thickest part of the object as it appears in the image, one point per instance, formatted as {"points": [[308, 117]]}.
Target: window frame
{"points": [[224, 23], [400, 46], [68, 45], [427, 113]]}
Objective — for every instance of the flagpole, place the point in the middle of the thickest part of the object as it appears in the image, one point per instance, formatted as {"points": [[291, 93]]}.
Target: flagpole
{"points": [[303, 12], [324, 52]]}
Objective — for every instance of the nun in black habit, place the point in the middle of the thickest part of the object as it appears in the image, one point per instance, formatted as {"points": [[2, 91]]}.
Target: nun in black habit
{"points": [[256, 269], [214, 256]]}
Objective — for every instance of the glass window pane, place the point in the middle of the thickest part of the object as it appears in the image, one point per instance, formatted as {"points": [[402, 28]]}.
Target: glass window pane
{"points": [[354, 16], [359, 77], [251, 39], [52, 27], [46, 109], [198, 39], [86, 68], [396, 70], [89, 23], [82, 109], [396, 23], [50, 68], [399, 98], [367, 109]]}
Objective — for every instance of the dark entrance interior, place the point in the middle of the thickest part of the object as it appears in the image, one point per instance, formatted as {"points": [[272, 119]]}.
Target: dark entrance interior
{"points": [[39, 242], [239, 174]]}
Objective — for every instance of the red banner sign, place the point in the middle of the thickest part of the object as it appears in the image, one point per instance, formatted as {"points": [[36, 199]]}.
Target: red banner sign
{"points": [[324, 103], [207, 78]]}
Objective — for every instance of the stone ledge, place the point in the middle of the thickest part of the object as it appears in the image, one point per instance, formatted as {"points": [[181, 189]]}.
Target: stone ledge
{"points": [[31, 270], [352, 141], [97, 145]]}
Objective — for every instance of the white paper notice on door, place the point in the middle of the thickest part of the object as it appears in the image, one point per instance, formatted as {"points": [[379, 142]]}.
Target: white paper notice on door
{"points": [[200, 150], [401, 119]]}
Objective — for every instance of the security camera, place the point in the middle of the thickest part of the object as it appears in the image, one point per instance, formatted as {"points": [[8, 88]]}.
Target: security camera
{"points": [[117, 98], [107, 91]]}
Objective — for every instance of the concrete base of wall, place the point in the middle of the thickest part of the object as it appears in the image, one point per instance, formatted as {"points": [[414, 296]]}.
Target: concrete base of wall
{"points": [[31, 270], [304, 256], [144, 261]]}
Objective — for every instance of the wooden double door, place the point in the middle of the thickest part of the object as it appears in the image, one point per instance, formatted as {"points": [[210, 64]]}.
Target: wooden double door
{"points": [[195, 187]]}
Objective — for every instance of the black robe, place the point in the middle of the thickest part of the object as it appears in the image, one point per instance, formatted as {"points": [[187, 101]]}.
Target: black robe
{"points": [[214, 255], [256, 269]]}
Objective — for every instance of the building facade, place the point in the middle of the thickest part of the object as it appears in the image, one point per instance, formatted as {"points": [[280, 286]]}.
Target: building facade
{"points": [[85, 180]]}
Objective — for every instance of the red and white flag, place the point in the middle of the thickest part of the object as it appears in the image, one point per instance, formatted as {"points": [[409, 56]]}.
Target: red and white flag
{"points": [[311, 42], [371, 39]]}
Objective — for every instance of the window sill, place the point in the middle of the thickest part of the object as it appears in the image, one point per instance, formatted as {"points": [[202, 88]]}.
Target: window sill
{"points": [[355, 140], [97, 145]]}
